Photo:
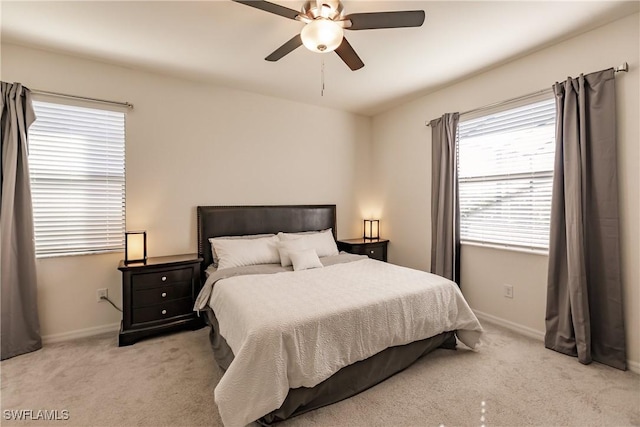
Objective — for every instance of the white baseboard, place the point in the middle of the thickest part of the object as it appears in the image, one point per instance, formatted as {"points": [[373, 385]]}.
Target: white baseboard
{"points": [[516, 327], [80, 333], [632, 365]]}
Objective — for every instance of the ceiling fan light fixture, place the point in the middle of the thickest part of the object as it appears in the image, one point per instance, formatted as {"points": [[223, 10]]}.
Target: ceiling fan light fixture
{"points": [[322, 35]]}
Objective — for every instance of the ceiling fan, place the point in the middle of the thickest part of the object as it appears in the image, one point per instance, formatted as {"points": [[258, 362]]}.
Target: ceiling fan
{"points": [[324, 25]]}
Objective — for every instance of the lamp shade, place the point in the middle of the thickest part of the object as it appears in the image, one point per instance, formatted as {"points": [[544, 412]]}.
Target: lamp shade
{"points": [[322, 35], [371, 229], [135, 246]]}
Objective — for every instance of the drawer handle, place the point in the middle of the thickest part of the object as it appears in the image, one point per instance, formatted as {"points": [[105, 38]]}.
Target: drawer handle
{"points": [[164, 294], [164, 311], [371, 251], [164, 278]]}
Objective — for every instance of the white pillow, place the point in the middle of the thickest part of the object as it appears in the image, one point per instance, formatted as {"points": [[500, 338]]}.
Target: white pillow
{"points": [[305, 259], [241, 252], [322, 242], [287, 246], [214, 255]]}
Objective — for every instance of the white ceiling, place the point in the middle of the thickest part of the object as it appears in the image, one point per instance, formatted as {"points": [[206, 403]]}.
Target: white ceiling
{"points": [[225, 42]]}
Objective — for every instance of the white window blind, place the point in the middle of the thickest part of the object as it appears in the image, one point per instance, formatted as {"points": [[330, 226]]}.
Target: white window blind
{"points": [[76, 162], [505, 175]]}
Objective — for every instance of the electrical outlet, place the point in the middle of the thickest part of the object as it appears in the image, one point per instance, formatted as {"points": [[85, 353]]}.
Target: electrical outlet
{"points": [[102, 292], [508, 291]]}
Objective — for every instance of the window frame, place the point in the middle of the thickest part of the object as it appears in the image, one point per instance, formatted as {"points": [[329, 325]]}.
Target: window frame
{"points": [[79, 249], [488, 111]]}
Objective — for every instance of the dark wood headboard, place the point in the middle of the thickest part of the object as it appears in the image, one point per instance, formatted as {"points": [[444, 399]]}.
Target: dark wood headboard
{"points": [[215, 221]]}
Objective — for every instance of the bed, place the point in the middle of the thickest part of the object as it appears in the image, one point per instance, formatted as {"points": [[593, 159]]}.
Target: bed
{"points": [[293, 341]]}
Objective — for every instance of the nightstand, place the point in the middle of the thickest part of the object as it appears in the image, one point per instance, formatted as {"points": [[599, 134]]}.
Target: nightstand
{"points": [[158, 296], [376, 248]]}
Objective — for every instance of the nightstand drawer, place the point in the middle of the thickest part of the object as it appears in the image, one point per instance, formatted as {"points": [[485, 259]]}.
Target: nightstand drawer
{"points": [[161, 295], [375, 252], [163, 311], [154, 280]]}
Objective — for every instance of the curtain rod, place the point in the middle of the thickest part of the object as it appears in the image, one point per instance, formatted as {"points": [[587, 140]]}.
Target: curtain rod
{"points": [[624, 67], [84, 98]]}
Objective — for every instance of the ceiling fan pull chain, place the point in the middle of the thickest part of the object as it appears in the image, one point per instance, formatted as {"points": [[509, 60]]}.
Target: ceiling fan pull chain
{"points": [[322, 78]]}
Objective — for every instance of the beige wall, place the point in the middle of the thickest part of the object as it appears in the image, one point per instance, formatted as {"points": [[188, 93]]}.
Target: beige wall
{"points": [[402, 157], [191, 144]]}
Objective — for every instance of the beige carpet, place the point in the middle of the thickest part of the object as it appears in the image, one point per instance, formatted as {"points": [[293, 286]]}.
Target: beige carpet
{"points": [[169, 380]]}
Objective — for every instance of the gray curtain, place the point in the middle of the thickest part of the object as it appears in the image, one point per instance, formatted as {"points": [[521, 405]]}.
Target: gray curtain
{"points": [[445, 212], [584, 294], [20, 325]]}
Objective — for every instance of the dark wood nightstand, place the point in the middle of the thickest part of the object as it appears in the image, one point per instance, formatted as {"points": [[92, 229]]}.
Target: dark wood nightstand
{"points": [[158, 296], [373, 248]]}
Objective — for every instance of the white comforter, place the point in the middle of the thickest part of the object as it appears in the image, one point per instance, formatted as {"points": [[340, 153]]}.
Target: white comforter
{"points": [[294, 329]]}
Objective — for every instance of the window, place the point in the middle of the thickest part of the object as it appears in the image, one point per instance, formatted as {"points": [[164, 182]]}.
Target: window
{"points": [[505, 174], [76, 162]]}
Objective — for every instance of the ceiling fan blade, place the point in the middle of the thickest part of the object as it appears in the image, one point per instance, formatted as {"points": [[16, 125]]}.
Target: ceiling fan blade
{"points": [[371, 21], [271, 7], [349, 56], [288, 47]]}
